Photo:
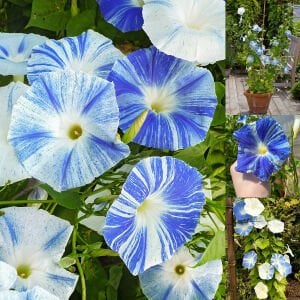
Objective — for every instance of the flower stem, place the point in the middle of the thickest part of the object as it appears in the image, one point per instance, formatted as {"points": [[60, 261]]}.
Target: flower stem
{"points": [[17, 202], [79, 267], [74, 8]]}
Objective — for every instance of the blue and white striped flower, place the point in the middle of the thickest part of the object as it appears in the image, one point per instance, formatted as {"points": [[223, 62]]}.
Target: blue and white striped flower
{"points": [[239, 211], [15, 49], [256, 28], [126, 15], [180, 98], [266, 271], [193, 30], [11, 169], [36, 293], [157, 212], [282, 264], [262, 148], [250, 59], [178, 279], [64, 129], [244, 228], [259, 222], [275, 62], [249, 260], [34, 243], [288, 33], [89, 52], [253, 45]]}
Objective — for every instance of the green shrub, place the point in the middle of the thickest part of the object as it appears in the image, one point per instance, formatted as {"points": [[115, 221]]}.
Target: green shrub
{"points": [[296, 90]]}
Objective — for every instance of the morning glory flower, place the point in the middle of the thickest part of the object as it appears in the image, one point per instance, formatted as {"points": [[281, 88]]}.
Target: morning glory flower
{"points": [[266, 271], [15, 49], [180, 98], [253, 207], [192, 30], [275, 62], [259, 50], [64, 129], [177, 278], [253, 45], [34, 251], [242, 119], [276, 226], [239, 211], [262, 148], [250, 59], [243, 228], [90, 52], [38, 193], [275, 43], [249, 260], [36, 293], [287, 69], [256, 28], [157, 212], [288, 33], [281, 264], [8, 276], [265, 59], [126, 15], [261, 290], [11, 169], [259, 222], [241, 10]]}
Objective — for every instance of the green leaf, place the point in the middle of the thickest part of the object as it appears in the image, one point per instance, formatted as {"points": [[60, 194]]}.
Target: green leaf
{"points": [[262, 243], [103, 252], [81, 22], [135, 127], [115, 275], [69, 199], [220, 91], [67, 261], [49, 15], [215, 249]]}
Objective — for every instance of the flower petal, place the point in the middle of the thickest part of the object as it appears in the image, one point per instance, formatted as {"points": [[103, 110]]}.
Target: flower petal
{"points": [[44, 117], [281, 265], [8, 276], [249, 260], [126, 15], [181, 98], [15, 49], [11, 169], [89, 52], [156, 213], [162, 281], [192, 30]]}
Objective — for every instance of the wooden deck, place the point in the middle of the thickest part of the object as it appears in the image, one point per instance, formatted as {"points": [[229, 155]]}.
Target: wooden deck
{"points": [[236, 103]]}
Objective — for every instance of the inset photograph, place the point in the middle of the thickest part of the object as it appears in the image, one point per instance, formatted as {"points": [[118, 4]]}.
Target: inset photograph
{"points": [[262, 64], [263, 156]]}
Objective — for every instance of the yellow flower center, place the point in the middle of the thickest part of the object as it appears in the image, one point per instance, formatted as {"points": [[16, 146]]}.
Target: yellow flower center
{"points": [[23, 271], [75, 132], [180, 269], [262, 149]]}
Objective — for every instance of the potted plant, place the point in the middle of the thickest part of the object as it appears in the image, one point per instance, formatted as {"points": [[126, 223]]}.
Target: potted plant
{"points": [[263, 65]]}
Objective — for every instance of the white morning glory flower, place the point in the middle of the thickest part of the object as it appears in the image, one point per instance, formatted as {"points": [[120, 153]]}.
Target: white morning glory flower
{"points": [[253, 206], [193, 30], [256, 28], [126, 15], [266, 271], [259, 222], [15, 49], [289, 251], [157, 212], [36, 293], [178, 279], [34, 251], [241, 10], [64, 129], [243, 228], [8, 276], [89, 52], [261, 290], [180, 98], [11, 168], [281, 264], [249, 260], [276, 226]]}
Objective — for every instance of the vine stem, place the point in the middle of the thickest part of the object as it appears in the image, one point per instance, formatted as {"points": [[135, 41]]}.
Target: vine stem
{"points": [[17, 202], [79, 267]]}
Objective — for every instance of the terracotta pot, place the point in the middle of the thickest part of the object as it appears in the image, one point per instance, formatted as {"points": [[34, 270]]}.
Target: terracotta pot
{"points": [[258, 103]]}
